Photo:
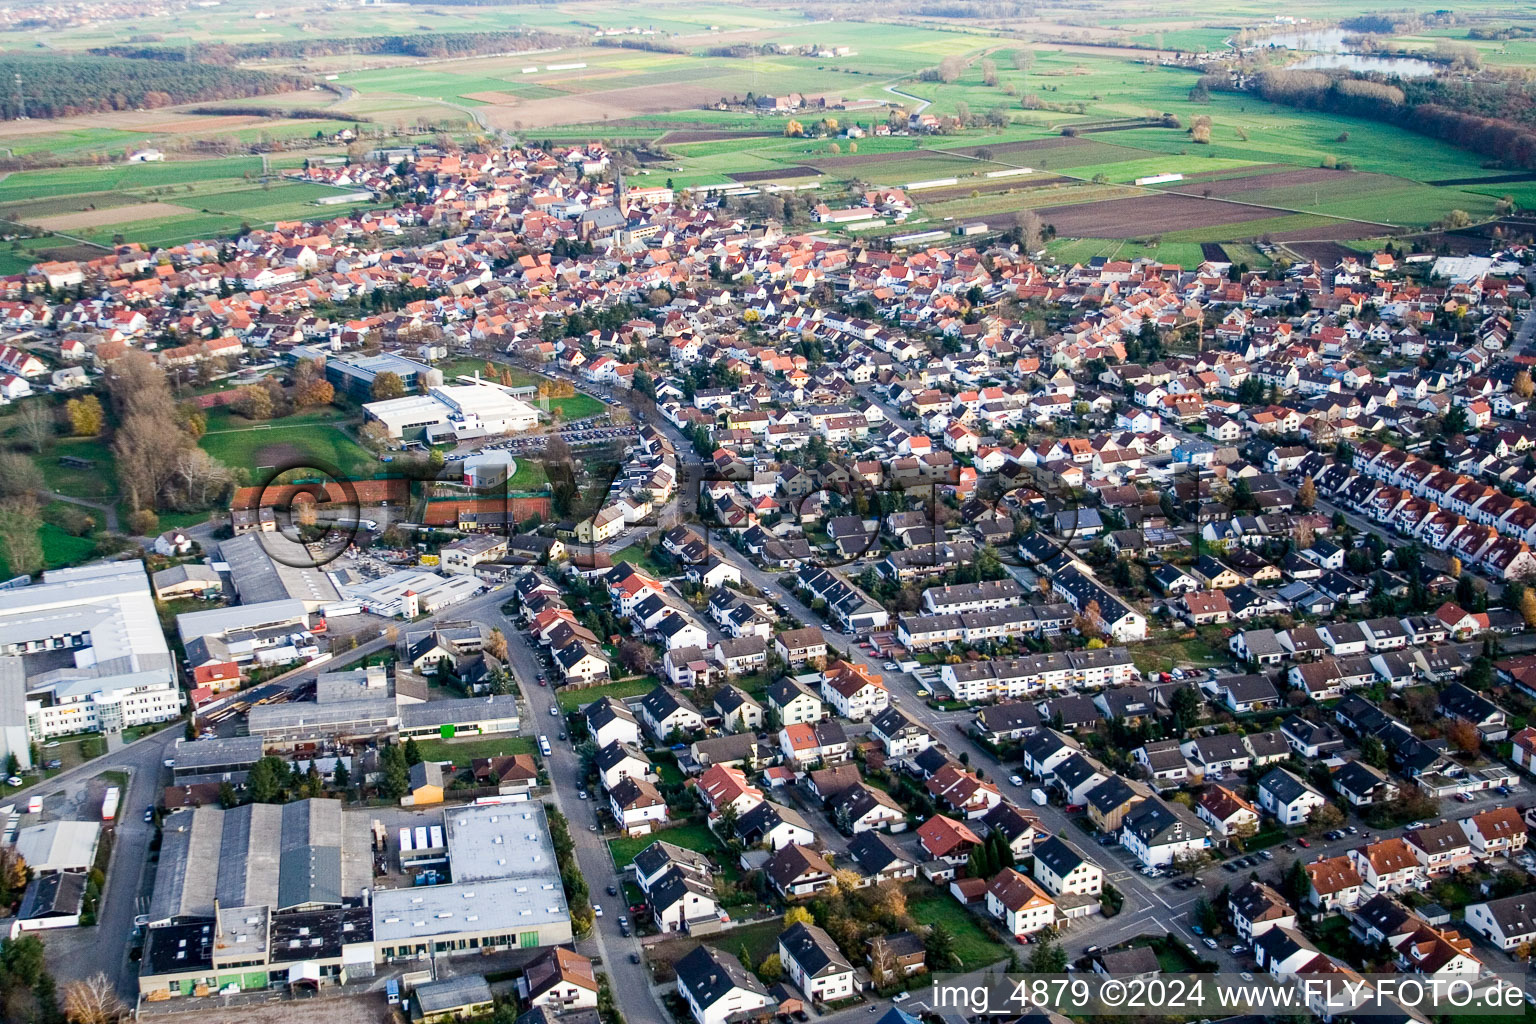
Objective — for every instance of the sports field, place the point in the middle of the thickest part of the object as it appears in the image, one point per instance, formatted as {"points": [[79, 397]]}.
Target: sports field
{"points": [[303, 439]]}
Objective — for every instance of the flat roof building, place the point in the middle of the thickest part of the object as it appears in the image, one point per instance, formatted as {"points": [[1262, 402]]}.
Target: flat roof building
{"points": [[461, 411], [82, 651], [354, 375], [214, 760], [412, 592], [258, 577], [59, 846]]}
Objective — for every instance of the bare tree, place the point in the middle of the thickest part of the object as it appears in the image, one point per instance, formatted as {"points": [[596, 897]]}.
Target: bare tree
{"points": [[148, 449], [19, 524], [93, 1001], [35, 421]]}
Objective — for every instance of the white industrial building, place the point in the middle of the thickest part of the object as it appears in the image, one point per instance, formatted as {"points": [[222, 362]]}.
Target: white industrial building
{"points": [[455, 411], [411, 592], [82, 651], [59, 846]]}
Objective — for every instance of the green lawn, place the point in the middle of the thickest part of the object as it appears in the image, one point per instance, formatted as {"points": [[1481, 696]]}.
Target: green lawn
{"points": [[461, 752], [1169, 654], [281, 443], [528, 476], [65, 181], [636, 556], [689, 837], [935, 906], [571, 700], [95, 483]]}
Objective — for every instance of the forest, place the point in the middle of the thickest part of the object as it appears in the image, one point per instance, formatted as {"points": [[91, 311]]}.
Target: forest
{"points": [[421, 44], [1496, 120], [55, 87]]}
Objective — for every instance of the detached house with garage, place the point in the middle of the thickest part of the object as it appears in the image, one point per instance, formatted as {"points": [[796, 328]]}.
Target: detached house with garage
{"points": [[718, 989], [815, 964], [1506, 923], [1022, 906], [1286, 797], [1499, 832]]}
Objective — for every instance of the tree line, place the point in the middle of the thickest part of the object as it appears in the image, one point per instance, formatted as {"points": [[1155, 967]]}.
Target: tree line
{"points": [[649, 45], [1499, 124], [63, 86], [420, 44]]}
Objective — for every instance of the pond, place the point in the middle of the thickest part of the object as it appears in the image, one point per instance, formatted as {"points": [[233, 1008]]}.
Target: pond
{"points": [[1404, 67], [1330, 51]]}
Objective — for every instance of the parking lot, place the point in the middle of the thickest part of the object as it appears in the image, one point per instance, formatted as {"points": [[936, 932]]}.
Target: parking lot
{"points": [[582, 432]]}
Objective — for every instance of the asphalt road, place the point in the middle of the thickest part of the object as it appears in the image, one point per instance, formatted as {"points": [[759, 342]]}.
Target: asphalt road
{"points": [[80, 952], [627, 979]]}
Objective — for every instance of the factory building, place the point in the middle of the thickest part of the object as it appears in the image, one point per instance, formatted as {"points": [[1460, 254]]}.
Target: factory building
{"points": [[82, 651], [266, 896]]}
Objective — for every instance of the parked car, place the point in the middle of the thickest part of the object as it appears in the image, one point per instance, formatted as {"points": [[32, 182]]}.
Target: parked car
{"points": [[597, 910], [1303, 842], [1015, 780], [1210, 942], [613, 890], [1236, 949]]}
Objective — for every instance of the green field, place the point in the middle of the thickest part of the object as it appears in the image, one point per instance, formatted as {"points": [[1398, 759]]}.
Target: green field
{"points": [[1062, 85], [74, 180], [260, 447]]}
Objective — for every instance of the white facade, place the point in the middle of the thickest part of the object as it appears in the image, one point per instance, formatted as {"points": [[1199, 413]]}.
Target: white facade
{"points": [[113, 668]]}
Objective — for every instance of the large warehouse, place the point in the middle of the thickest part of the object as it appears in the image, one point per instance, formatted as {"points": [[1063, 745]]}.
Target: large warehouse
{"points": [[82, 651], [264, 895], [452, 411]]}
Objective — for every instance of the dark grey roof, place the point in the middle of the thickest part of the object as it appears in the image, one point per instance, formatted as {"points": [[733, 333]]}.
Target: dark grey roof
{"points": [[661, 853], [1285, 786], [1516, 915], [452, 993], [710, 975], [1113, 792], [1060, 856], [876, 852], [615, 753], [813, 949], [57, 895]]}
